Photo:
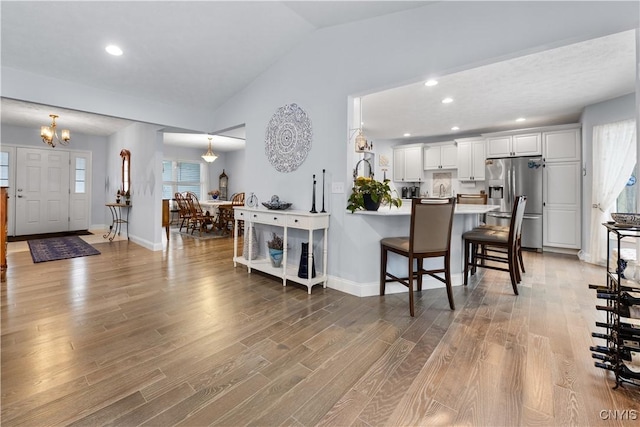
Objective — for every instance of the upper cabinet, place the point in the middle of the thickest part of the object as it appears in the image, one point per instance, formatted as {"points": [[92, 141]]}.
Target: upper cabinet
{"points": [[525, 144], [471, 159], [407, 163], [562, 145], [440, 156]]}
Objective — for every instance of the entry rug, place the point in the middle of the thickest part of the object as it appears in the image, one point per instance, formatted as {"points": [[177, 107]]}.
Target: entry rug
{"points": [[56, 248]]}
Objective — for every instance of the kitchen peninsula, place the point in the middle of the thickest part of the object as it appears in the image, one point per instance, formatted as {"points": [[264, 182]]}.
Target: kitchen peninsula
{"points": [[389, 222]]}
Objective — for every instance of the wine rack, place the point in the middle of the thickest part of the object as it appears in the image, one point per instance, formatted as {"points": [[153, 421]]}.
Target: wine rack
{"points": [[619, 300]]}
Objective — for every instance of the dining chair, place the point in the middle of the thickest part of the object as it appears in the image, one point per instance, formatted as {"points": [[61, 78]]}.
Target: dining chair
{"points": [[472, 199], [184, 212], [199, 218], [238, 200], [488, 247], [429, 237]]}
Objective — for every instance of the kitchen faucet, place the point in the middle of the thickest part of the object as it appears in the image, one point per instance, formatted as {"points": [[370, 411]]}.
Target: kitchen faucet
{"points": [[441, 190]]}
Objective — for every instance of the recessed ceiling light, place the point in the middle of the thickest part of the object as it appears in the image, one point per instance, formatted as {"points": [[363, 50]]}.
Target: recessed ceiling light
{"points": [[407, 134], [447, 100], [113, 50], [431, 82], [520, 119], [455, 128]]}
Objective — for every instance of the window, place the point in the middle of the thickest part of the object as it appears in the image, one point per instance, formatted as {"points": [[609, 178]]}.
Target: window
{"points": [[178, 177], [626, 201], [81, 175], [4, 169]]}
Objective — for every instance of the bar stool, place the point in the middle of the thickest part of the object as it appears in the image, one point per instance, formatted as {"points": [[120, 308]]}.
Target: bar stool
{"points": [[429, 237], [480, 246]]}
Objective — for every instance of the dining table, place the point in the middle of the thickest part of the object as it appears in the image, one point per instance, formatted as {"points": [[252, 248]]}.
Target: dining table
{"points": [[213, 207]]}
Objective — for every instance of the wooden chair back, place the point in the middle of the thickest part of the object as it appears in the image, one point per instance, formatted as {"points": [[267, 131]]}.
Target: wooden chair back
{"points": [[237, 199], [472, 199]]}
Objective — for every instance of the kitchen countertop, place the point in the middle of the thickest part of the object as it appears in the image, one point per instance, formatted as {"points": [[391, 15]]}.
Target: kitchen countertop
{"points": [[405, 209]]}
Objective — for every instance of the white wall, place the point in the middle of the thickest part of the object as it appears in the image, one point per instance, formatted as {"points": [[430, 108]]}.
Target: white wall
{"points": [[341, 62], [235, 169], [144, 141]]}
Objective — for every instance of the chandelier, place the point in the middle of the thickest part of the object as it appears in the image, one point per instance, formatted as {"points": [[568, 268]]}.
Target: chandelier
{"points": [[209, 156], [50, 136]]}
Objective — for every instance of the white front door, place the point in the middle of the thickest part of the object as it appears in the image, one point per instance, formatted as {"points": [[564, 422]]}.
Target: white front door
{"points": [[42, 191]]}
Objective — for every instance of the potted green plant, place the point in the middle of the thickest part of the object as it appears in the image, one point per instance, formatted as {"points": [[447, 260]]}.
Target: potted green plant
{"points": [[368, 194], [276, 249], [118, 195], [127, 197]]}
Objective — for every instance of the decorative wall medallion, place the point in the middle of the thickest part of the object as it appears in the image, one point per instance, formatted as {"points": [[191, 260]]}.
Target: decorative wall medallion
{"points": [[288, 138]]}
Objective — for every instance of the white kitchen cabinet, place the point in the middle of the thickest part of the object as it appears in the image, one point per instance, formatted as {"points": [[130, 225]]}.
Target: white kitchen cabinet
{"points": [[286, 221], [562, 178], [562, 145], [440, 156], [407, 163], [561, 205], [471, 159], [526, 144]]}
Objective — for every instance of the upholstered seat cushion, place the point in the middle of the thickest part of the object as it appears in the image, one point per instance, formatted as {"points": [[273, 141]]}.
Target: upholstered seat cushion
{"points": [[486, 235], [504, 228], [401, 243]]}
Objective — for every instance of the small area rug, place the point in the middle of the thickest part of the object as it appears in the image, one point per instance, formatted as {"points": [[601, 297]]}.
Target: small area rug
{"points": [[56, 248]]}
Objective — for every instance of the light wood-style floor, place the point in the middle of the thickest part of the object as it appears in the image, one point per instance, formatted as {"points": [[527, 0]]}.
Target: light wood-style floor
{"points": [[181, 337]]}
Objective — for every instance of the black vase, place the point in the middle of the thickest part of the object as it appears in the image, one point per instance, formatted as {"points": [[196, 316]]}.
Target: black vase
{"points": [[303, 269], [369, 204]]}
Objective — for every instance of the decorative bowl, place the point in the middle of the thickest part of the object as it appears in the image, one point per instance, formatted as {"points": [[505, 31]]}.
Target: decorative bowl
{"points": [[277, 206], [626, 218]]}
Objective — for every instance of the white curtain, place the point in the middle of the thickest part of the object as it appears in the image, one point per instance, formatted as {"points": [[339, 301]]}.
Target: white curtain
{"points": [[614, 157]]}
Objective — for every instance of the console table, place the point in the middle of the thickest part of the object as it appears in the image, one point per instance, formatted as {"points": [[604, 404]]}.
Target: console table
{"points": [[117, 220], [286, 220]]}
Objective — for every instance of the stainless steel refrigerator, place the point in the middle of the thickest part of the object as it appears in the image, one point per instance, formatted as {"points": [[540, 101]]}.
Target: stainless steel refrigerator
{"points": [[509, 177]]}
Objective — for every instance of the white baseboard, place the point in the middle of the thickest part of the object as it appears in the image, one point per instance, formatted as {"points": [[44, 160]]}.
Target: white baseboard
{"points": [[373, 288]]}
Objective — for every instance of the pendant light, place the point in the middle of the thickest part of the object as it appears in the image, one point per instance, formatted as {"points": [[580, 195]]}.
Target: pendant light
{"points": [[209, 156], [361, 141]]}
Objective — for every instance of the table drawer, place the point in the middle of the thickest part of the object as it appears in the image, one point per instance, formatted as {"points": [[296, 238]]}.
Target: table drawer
{"points": [[296, 221], [240, 214], [267, 218]]}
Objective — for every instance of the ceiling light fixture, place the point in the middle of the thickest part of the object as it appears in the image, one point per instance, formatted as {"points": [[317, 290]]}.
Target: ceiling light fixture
{"points": [[447, 100], [431, 82], [407, 134], [455, 128], [50, 136], [113, 50], [209, 156], [520, 119]]}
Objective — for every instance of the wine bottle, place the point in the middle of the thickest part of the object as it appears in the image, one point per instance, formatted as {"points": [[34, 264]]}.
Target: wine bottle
{"points": [[604, 289], [621, 369], [622, 353], [626, 298], [622, 310], [620, 339], [625, 328]]}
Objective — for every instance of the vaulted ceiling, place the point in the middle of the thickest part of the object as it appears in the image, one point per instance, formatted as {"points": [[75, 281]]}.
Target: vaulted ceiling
{"points": [[201, 53]]}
